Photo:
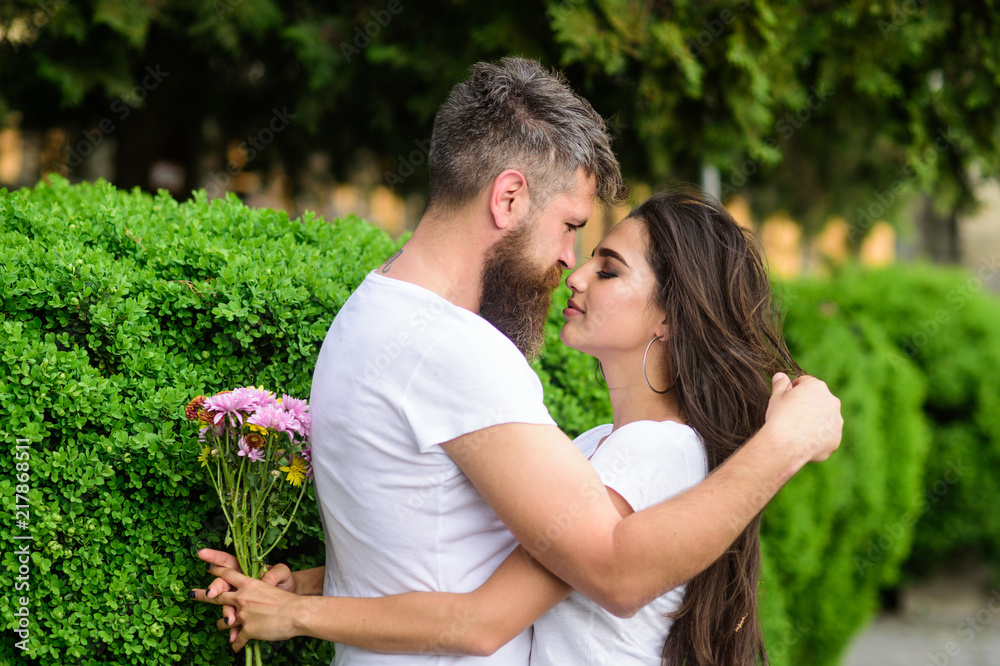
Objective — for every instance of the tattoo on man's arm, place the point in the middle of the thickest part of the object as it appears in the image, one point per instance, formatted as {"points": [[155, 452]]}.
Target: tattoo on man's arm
{"points": [[388, 264]]}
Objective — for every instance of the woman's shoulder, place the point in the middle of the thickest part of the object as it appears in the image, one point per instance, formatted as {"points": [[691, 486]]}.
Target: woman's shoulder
{"points": [[660, 431], [678, 441], [588, 441]]}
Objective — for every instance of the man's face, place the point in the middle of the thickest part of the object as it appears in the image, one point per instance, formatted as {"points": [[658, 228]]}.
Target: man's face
{"points": [[558, 221], [525, 266]]}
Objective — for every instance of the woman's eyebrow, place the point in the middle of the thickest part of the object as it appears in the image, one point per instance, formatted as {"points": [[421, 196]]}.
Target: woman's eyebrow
{"points": [[608, 252]]}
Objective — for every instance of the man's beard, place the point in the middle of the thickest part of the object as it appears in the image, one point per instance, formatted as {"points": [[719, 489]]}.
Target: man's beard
{"points": [[516, 293]]}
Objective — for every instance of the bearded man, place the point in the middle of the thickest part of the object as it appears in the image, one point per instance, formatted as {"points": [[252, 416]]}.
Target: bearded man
{"points": [[432, 449]]}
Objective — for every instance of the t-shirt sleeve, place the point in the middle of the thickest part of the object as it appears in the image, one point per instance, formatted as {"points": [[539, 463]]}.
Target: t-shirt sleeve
{"points": [[648, 462], [471, 379]]}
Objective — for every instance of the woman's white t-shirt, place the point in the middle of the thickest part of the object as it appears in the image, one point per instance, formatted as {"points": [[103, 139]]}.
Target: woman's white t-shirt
{"points": [[646, 462]]}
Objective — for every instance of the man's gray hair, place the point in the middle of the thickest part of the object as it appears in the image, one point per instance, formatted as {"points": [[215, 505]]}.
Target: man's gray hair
{"points": [[518, 115]]}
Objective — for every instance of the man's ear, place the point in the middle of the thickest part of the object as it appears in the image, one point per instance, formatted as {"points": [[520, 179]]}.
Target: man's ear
{"points": [[509, 200]]}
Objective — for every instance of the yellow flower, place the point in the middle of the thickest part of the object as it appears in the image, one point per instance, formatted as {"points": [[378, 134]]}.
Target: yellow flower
{"points": [[296, 471], [203, 458], [257, 428]]}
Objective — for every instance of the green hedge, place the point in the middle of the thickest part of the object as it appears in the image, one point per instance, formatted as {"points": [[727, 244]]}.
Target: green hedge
{"points": [[948, 326], [914, 482], [824, 531], [117, 307], [115, 310]]}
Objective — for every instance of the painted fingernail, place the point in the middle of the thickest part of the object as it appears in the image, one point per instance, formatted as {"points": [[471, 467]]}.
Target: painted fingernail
{"points": [[208, 567], [192, 594]]}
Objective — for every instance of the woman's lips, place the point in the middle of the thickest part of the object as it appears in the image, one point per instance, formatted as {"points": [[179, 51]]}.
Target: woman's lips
{"points": [[572, 309]]}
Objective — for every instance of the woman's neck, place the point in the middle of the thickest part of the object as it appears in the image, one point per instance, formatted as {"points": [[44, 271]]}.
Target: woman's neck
{"points": [[632, 400]]}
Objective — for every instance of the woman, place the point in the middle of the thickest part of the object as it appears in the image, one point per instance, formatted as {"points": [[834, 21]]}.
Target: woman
{"points": [[675, 305]]}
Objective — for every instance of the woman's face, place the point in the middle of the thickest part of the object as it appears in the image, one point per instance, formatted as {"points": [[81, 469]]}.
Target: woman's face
{"points": [[611, 311]]}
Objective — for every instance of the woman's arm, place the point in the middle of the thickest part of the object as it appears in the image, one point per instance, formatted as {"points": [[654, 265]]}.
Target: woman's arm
{"points": [[309, 582], [475, 623]]}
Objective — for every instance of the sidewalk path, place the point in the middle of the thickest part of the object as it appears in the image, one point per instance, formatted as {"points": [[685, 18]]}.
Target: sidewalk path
{"points": [[952, 621]]}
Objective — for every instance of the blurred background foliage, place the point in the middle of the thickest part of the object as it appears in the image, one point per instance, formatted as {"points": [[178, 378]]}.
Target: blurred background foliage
{"points": [[819, 108], [862, 110]]}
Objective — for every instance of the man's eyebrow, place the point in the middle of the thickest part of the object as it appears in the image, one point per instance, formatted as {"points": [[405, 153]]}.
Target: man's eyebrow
{"points": [[608, 252]]}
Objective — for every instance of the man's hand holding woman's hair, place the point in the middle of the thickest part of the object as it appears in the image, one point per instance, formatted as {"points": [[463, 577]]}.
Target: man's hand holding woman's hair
{"points": [[805, 416]]}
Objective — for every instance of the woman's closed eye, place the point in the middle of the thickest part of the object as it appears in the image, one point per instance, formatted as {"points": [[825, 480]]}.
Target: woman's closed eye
{"points": [[605, 275]]}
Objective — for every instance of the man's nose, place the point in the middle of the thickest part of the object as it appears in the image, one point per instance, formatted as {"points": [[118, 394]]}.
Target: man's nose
{"points": [[568, 258]]}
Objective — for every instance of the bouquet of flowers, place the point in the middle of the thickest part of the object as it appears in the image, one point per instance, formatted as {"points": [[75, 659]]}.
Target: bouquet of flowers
{"points": [[256, 451]]}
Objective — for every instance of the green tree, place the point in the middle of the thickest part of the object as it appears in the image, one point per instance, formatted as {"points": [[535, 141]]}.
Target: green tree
{"points": [[815, 107], [913, 113], [821, 108]]}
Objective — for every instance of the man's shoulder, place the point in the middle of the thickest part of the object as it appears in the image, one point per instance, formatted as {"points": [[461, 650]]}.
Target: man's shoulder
{"points": [[421, 318]]}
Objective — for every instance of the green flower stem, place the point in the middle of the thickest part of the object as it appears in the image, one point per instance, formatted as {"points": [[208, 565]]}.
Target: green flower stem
{"points": [[288, 523], [240, 499], [217, 483], [264, 497], [257, 560]]}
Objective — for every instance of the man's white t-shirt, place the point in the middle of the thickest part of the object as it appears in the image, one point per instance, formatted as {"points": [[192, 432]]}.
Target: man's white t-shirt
{"points": [[646, 462], [401, 371]]}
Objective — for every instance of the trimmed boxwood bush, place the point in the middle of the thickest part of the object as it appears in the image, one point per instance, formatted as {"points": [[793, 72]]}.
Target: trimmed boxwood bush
{"points": [[116, 308], [923, 483], [819, 530], [948, 326]]}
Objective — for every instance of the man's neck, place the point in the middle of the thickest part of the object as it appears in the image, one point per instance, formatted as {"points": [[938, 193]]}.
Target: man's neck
{"points": [[445, 257]]}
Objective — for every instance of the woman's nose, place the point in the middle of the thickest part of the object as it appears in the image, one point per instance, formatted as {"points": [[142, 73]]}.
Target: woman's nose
{"points": [[575, 281]]}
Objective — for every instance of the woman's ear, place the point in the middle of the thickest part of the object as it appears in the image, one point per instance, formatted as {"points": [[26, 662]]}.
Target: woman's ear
{"points": [[662, 331]]}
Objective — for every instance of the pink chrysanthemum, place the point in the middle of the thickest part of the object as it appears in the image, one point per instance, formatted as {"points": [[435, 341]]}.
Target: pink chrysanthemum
{"points": [[307, 456], [233, 404], [299, 409], [253, 454], [256, 397], [273, 417], [203, 431]]}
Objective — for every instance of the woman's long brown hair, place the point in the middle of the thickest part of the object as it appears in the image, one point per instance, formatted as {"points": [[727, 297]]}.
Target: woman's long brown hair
{"points": [[724, 345]]}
